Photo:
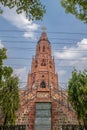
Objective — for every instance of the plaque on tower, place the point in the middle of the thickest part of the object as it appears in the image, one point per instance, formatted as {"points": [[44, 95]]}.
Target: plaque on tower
{"points": [[42, 94]]}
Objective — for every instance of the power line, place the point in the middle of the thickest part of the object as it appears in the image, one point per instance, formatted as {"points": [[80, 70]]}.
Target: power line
{"points": [[58, 82], [21, 48], [48, 32], [49, 37], [80, 59], [33, 49], [52, 43], [18, 41], [12, 37], [58, 66]]}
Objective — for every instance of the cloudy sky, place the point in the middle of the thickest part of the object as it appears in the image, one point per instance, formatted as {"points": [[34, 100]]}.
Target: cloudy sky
{"points": [[68, 37]]}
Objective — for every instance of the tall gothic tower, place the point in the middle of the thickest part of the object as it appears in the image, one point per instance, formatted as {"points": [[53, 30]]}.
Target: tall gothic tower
{"points": [[43, 73], [42, 105]]}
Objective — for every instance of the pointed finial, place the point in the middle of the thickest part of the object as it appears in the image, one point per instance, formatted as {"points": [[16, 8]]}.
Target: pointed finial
{"points": [[44, 28]]}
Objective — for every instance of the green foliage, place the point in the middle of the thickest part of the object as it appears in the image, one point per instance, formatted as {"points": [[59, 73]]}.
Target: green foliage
{"points": [[4, 70], [2, 55], [9, 96], [77, 94], [77, 8], [32, 8], [10, 100]]}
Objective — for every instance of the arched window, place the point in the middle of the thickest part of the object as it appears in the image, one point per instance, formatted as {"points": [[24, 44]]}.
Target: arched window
{"points": [[36, 63], [43, 85], [39, 48], [43, 63], [50, 63], [43, 48]]}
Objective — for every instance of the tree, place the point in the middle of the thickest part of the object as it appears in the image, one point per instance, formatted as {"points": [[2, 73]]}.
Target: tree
{"points": [[32, 8], [2, 57], [9, 96], [10, 100], [77, 95], [77, 8]]}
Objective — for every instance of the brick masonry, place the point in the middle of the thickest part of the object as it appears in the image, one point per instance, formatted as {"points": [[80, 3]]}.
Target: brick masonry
{"points": [[42, 86]]}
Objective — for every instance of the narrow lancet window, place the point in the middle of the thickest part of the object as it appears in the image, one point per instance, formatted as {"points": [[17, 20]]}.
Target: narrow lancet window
{"points": [[43, 85]]}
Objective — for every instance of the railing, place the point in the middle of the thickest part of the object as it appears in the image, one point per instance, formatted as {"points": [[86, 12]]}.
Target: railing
{"points": [[62, 99], [13, 127], [73, 127], [23, 127]]}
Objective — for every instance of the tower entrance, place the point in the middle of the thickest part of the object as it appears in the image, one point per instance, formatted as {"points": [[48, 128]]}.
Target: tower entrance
{"points": [[43, 116]]}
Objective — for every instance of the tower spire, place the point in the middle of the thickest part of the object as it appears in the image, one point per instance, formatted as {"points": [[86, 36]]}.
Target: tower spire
{"points": [[43, 67], [44, 28]]}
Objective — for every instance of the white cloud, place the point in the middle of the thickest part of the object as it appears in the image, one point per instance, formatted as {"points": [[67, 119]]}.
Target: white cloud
{"points": [[78, 52], [20, 21], [66, 54], [71, 57], [1, 45], [21, 73], [83, 44], [61, 72], [27, 35]]}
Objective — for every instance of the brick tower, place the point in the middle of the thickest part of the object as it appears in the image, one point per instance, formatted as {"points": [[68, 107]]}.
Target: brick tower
{"points": [[43, 67], [42, 105]]}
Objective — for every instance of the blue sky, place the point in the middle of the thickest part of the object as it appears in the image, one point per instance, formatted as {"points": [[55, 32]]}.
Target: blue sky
{"points": [[68, 37]]}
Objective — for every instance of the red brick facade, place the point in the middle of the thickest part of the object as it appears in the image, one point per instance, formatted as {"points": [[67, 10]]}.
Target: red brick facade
{"points": [[42, 86], [43, 66]]}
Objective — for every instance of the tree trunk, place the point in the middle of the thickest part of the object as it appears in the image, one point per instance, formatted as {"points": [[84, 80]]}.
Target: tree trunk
{"points": [[85, 124], [5, 120]]}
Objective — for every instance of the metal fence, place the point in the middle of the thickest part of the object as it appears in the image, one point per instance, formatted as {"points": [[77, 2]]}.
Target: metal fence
{"points": [[73, 127], [13, 127], [23, 127]]}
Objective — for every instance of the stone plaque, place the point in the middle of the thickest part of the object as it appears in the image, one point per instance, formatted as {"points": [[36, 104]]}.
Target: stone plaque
{"points": [[43, 94]]}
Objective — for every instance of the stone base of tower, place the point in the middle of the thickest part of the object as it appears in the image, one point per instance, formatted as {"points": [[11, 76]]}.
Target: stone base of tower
{"points": [[53, 118], [42, 108]]}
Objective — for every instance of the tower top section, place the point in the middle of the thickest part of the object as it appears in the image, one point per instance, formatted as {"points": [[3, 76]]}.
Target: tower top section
{"points": [[43, 46], [43, 66], [43, 36]]}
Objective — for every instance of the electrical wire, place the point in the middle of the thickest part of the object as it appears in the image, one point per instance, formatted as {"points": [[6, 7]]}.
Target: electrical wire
{"points": [[48, 32]]}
